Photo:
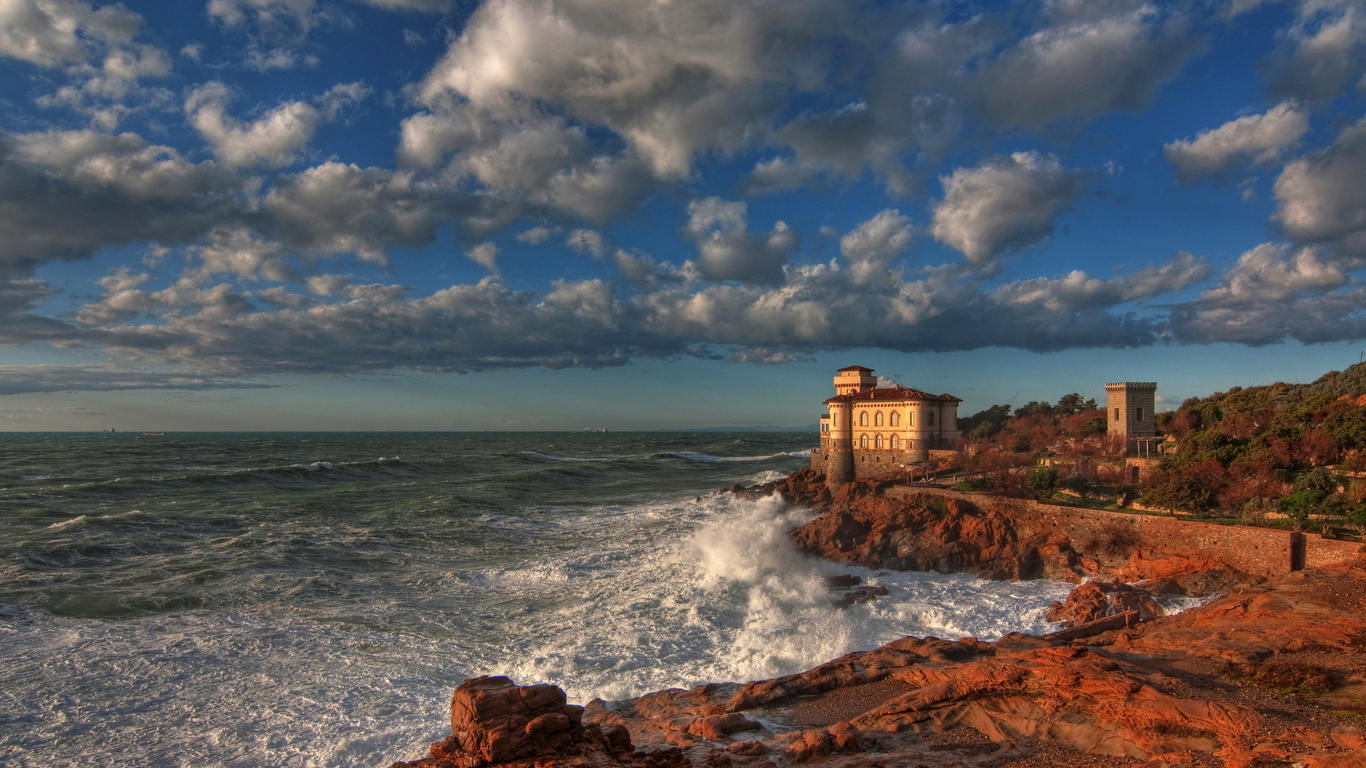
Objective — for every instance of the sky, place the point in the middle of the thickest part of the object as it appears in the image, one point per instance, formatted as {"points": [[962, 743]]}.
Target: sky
{"points": [[656, 214]]}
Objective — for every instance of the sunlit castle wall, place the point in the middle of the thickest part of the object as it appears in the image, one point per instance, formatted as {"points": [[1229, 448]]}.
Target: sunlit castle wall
{"points": [[871, 431]]}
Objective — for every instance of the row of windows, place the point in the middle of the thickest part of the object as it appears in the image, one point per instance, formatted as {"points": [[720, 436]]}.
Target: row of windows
{"points": [[894, 419], [1138, 414], [892, 442]]}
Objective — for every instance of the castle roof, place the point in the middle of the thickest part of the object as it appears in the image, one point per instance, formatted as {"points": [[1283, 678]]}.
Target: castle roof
{"points": [[893, 394], [854, 368]]}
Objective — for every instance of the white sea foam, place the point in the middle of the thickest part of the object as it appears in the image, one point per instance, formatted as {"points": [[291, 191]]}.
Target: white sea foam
{"points": [[329, 663], [734, 601], [74, 522]]}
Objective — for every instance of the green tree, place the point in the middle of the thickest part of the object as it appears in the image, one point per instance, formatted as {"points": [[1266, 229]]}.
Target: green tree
{"points": [[1299, 505], [984, 424]]}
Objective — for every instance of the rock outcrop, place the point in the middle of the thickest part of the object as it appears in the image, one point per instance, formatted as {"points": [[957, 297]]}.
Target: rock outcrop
{"points": [[1272, 675], [495, 722], [992, 537]]}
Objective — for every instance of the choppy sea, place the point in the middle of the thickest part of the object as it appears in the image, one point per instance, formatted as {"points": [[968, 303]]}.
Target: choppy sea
{"points": [[310, 599]]}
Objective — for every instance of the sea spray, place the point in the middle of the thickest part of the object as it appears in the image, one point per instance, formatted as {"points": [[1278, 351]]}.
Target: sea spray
{"points": [[207, 600]]}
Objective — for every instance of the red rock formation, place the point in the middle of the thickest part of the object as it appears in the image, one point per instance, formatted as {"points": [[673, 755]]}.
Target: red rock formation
{"points": [[1161, 693], [495, 722], [1095, 600]]}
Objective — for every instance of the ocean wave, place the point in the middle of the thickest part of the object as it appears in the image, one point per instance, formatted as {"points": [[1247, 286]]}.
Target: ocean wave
{"points": [[707, 458]]}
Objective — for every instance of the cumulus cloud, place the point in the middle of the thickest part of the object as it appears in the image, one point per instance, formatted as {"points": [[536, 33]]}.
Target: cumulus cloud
{"points": [[728, 251], [1254, 138], [485, 255], [343, 208], [586, 241], [1008, 202], [67, 194], [672, 79], [537, 235], [1321, 197], [272, 141], [1322, 53], [1092, 59], [1276, 292], [660, 310], [19, 296], [1275, 272], [54, 32], [869, 250]]}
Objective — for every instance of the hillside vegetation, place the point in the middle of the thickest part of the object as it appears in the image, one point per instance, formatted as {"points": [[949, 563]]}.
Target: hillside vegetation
{"points": [[1280, 453]]}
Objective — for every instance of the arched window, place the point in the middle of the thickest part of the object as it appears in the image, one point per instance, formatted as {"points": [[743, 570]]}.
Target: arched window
{"points": [[896, 419], [910, 419], [877, 441], [863, 419], [894, 442], [877, 419], [931, 419], [863, 441]]}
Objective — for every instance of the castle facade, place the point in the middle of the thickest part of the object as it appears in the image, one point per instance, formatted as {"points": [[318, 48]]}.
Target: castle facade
{"points": [[871, 430]]}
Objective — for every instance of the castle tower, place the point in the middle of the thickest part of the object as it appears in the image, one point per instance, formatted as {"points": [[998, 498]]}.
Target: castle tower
{"points": [[853, 379], [1130, 411], [839, 467]]}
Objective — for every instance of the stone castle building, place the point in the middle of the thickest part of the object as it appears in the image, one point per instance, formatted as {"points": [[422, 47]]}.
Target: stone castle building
{"points": [[1131, 414], [871, 430]]}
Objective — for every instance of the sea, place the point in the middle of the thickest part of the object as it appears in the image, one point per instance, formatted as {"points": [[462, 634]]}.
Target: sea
{"points": [[312, 599]]}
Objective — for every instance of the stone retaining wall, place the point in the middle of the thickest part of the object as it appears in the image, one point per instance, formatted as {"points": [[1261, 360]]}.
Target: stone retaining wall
{"points": [[1258, 551]]}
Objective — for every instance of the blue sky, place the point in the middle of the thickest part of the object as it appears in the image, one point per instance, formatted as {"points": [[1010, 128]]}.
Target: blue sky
{"points": [[554, 214]]}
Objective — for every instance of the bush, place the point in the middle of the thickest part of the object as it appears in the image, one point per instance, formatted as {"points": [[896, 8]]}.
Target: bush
{"points": [[1356, 515], [1042, 480], [1286, 677], [1299, 505], [1078, 484]]}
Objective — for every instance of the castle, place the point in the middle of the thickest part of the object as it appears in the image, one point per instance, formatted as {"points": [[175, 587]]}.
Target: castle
{"points": [[872, 430]]}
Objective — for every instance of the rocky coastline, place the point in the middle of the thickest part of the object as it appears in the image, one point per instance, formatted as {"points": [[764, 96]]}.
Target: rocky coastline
{"points": [[1270, 673]]}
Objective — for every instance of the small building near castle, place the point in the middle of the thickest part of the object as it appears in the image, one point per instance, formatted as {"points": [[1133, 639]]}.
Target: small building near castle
{"points": [[871, 430]]}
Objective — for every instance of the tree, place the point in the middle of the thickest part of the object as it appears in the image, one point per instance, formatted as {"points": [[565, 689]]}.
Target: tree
{"points": [[1179, 492], [1043, 481], [984, 424], [1299, 505], [1071, 404], [1034, 408]]}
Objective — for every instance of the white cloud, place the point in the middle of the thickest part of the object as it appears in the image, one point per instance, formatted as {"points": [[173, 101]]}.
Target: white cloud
{"points": [[1010, 201], [342, 208], [1095, 58], [53, 32], [66, 194], [485, 255], [672, 79], [728, 251], [1322, 197], [1255, 138], [1275, 272], [537, 235], [869, 250], [1276, 292], [274, 140], [587, 241], [1322, 53]]}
